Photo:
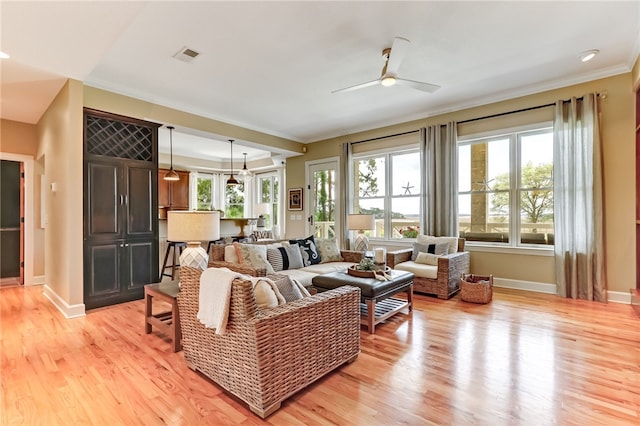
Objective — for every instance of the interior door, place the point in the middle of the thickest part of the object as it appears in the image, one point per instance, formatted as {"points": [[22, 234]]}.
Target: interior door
{"points": [[10, 220], [323, 179]]}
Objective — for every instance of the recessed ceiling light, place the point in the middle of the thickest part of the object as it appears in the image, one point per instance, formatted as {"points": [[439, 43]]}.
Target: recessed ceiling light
{"points": [[588, 55], [4, 55]]}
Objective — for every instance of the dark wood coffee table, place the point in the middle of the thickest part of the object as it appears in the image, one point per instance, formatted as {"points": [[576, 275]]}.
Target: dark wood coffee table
{"points": [[377, 303]]}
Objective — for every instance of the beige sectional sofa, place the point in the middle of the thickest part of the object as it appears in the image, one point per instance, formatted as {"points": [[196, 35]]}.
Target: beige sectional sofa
{"points": [[220, 257]]}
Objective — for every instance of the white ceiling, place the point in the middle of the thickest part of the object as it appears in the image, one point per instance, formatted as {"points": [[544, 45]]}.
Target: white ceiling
{"points": [[271, 66]]}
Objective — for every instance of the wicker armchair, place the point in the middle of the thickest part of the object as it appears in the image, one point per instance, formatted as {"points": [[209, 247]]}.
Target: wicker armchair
{"points": [[450, 270], [265, 356]]}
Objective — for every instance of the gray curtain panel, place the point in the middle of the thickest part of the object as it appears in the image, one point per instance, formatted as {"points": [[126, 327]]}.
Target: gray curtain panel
{"points": [[439, 155], [577, 196], [345, 162]]}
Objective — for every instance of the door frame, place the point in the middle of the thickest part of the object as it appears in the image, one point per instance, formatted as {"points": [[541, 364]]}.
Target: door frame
{"points": [[309, 207], [29, 212]]}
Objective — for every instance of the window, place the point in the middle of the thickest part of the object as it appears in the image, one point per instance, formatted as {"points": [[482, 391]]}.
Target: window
{"points": [[505, 188], [388, 186], [204, 194], [269, 194], [234, 200]]}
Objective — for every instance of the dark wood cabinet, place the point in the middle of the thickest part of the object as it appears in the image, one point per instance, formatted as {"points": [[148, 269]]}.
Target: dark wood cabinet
{"points": [[173, 195], [120, 208]]}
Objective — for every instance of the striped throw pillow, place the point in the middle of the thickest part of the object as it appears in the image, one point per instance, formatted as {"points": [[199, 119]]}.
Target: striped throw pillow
{"points": [[283, 258]]}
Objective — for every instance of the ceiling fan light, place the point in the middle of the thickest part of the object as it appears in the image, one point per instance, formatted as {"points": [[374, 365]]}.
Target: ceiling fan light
{"points": [[388, 80]]}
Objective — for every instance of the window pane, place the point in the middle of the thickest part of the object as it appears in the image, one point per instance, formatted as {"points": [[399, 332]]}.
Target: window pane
{"points": [[484, 216], [371, 176], [405, 219], [406, 174], [204, 194], [536, 180], [235, 200], [265, 190], [464, 168], [374, 206], [324, 183]]}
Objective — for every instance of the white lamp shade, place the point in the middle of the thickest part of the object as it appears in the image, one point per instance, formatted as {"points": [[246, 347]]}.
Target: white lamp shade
{"points": [[360, 222], [193, 226], [261, 209]]}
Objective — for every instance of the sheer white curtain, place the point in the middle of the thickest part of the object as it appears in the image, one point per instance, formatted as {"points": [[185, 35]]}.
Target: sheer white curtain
{"points": [[578, 200], [439, 155]]}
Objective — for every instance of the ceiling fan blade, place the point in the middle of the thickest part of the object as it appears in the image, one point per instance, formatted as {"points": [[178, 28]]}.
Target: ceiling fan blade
{"points": [[357, 86], [396, 56], [418, 85]]}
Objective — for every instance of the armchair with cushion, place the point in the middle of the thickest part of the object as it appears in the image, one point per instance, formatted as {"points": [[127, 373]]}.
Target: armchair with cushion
{"points": [[439, 274], [266, 355]]}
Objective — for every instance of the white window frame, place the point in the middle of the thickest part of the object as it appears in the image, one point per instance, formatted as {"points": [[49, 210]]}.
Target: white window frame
{"points": [[388, 153], [514, 135]]}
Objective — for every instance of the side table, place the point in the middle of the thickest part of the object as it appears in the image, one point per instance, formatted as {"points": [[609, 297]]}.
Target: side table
{"points": [[167, 321]]}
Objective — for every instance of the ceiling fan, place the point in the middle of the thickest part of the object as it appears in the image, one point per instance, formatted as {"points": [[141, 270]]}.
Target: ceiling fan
{"points": [[393, 57]]}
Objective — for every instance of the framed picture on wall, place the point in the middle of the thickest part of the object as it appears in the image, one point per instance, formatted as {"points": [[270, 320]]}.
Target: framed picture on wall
{"points": [[295, 199]]}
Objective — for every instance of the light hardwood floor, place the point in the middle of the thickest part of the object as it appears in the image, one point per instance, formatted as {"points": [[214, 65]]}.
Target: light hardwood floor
{"points": [[523, 359]]}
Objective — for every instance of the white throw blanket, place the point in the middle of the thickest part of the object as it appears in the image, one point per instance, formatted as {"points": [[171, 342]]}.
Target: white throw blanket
{"points": [[215, 296]]}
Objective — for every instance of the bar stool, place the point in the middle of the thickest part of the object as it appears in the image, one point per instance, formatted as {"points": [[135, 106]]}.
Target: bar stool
{"points": [[172, 245]]}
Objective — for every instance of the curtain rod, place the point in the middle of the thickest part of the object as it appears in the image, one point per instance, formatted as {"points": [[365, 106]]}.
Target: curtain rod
{"points": [[604, 94], [384, 137]]}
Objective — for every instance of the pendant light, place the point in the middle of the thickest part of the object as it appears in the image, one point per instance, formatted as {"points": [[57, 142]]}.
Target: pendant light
{"points": [[232, 180], [244, 174], [171, 175]]}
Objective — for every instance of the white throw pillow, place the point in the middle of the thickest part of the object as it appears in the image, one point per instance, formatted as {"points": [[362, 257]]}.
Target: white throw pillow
{"points": [[427, 259], [428, 239], [230, 254], [265, 296]]}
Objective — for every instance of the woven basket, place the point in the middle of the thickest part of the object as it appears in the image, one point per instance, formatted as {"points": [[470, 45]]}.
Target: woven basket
{"points": [[476, 288]]}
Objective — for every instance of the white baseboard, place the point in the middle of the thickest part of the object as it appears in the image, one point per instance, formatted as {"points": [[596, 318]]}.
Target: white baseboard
{"points": [[69, 311], [525, 285], [619, 297], [612, 296], [37, 280]]}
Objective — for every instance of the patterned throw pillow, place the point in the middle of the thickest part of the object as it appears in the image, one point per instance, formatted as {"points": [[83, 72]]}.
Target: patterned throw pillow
{"points": [[310, 254], [329, 251], [288, 290], [439, 249], [254, 255], [283, 258]]}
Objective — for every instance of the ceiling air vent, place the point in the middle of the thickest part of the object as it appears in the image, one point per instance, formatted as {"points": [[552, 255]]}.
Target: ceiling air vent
{"points": [[186, 55]]}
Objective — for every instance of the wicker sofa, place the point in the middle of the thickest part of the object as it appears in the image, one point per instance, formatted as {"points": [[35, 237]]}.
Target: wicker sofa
{"points": [[267, 355], [450, 268]]}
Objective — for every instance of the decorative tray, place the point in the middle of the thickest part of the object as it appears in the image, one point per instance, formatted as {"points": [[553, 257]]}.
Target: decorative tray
{"points": [[354, 271]]}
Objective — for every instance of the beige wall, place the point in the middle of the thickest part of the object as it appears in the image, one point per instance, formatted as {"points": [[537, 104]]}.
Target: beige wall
{"points": [[617, 130], [130, 107], [22, 139], [60, 151]]}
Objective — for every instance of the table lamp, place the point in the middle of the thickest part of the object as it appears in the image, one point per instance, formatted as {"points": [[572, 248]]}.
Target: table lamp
{"points": [[261, 209], [360, 223], [193, 227]]}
